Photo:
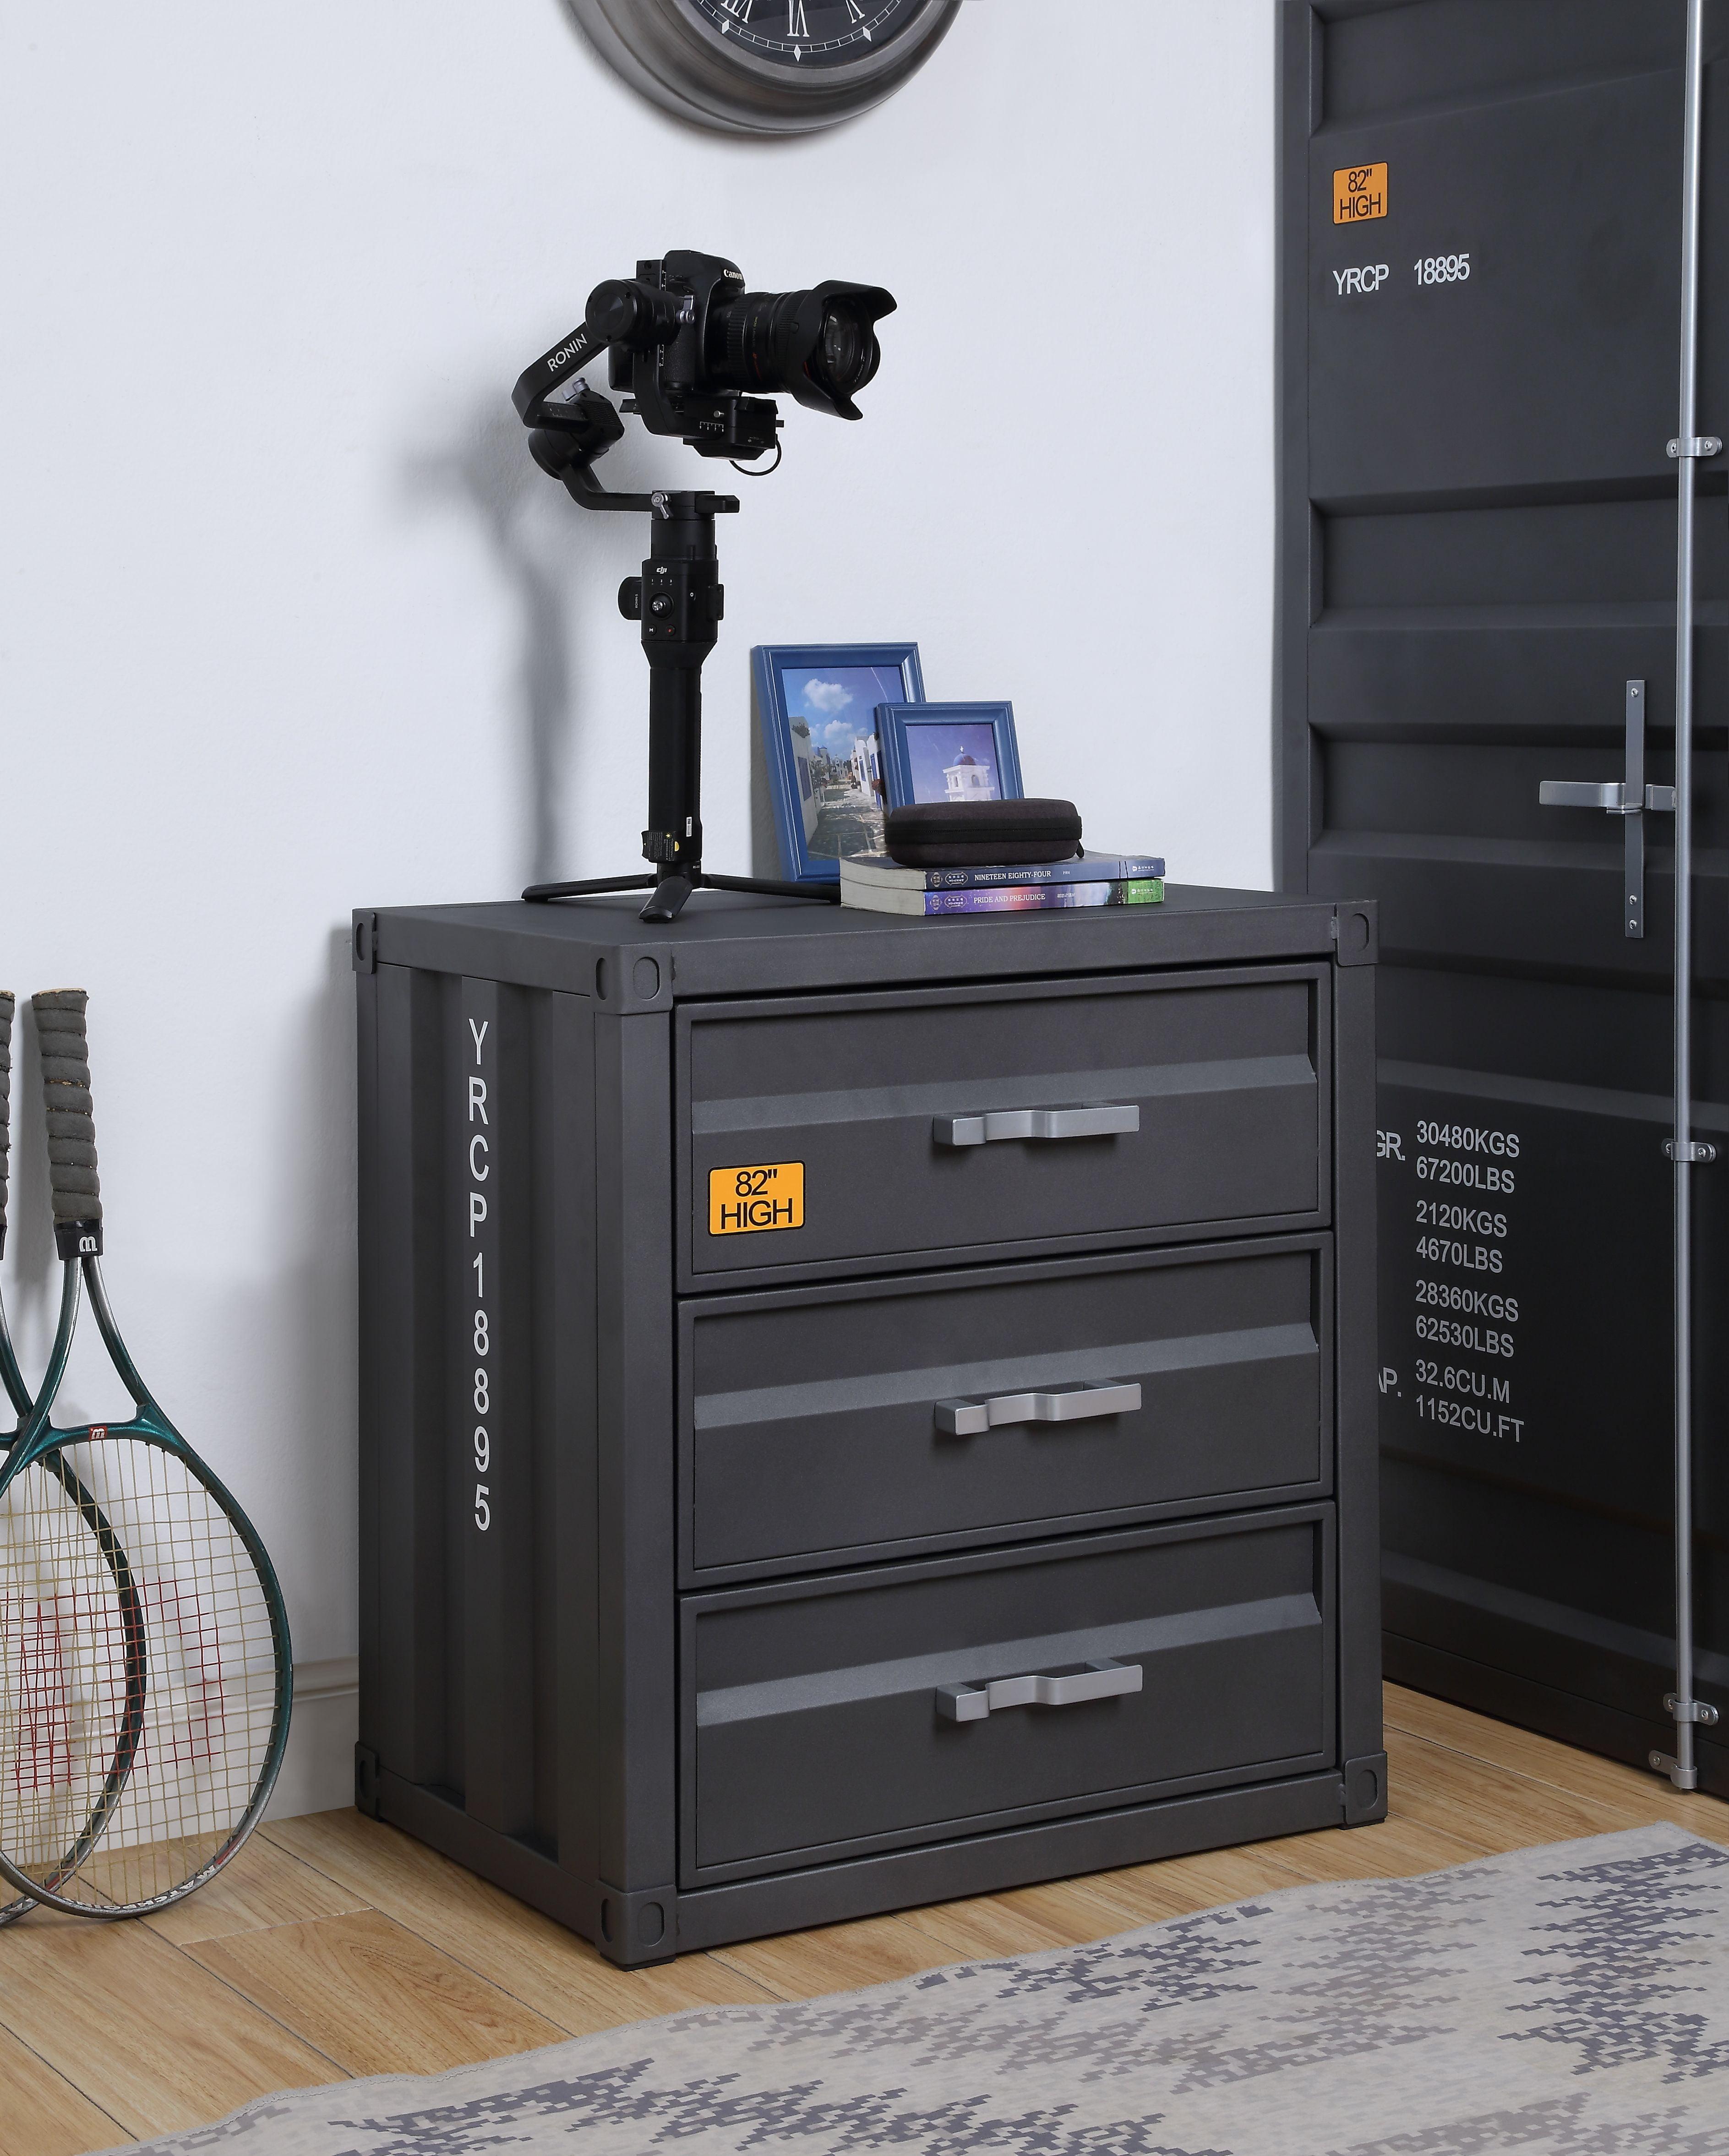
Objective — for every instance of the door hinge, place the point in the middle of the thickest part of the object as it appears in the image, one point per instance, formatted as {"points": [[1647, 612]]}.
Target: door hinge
{"points": [[364, 947]]}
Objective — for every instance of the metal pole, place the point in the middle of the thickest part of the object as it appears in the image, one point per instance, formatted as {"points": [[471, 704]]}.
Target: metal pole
{"points": [[1686, 450]]}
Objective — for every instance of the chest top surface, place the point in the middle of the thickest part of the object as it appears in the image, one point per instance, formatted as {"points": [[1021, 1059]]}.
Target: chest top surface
{"points": [[726, 944]]}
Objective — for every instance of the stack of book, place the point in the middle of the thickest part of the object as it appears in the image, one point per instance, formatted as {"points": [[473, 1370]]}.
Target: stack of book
{"points": [[874, 881]]}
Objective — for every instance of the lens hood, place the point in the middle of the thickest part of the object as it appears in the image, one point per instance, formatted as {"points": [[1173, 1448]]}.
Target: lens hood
{"points": [[818, 347]]}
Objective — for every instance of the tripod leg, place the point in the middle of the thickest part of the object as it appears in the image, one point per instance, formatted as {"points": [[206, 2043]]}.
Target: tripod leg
{"points": [[825, 894], [589, 887], [669, 895]]}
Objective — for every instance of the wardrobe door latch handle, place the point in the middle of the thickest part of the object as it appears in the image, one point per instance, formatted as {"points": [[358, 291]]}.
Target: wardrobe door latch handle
{"points": [[1069, 1404], [976, 1702], [1094, 1120], [1629, 798], [1610, 795]]}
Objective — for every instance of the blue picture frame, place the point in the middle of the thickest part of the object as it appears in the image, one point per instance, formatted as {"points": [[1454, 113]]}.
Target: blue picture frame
{"points": [[948, 752], [811, 700]]}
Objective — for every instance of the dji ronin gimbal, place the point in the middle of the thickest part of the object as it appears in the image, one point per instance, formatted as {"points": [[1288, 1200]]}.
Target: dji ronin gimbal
{"points": [[688, 345]]}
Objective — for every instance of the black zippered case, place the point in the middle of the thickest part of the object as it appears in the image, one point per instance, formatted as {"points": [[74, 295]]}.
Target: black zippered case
{"points": [[937, 834]]}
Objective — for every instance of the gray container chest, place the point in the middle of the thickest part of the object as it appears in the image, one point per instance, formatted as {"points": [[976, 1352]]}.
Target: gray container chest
{"points": [[859, 1410]]}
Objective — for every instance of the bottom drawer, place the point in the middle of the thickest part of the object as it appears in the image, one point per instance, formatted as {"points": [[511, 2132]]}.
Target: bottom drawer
{"points": [[826, 1718]]}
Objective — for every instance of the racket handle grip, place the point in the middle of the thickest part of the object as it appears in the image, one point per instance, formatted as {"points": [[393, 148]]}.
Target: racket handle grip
{"points": [[64, 1051], [8, 1004]]}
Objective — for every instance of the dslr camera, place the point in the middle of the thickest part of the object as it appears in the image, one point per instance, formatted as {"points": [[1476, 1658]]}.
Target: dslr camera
{"points": [[700, 357]]}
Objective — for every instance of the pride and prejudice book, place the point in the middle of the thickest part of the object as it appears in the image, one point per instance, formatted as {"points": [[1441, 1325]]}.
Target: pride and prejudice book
{"points": [[878, 869], [1010, 898]]}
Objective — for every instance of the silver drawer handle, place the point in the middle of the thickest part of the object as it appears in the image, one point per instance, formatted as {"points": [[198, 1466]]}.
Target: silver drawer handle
{"points": [[1097, 1121], [1097, 1680], [1073, 1403]]}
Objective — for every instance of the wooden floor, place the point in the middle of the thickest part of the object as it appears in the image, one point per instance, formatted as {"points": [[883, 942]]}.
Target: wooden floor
{"points": [[333, 1946]]}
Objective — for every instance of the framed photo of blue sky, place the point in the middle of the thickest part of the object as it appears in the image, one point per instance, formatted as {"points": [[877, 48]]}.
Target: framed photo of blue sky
{"points": [[816, 704], [950, 752]]}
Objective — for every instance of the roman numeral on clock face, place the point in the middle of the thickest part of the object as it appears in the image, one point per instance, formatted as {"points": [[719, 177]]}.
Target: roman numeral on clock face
{"points": [[852, 44]]}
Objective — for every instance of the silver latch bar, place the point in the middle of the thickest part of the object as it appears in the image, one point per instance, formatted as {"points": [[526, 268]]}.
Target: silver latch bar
{"points": [[1065, 1404], [1682, 1769], [1094, 1120], [1629, 798], [976, 1703], [1612, 797]]}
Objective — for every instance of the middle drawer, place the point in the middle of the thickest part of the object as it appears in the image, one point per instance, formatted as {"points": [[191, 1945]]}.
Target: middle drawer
{"points": [[875, 1418]]}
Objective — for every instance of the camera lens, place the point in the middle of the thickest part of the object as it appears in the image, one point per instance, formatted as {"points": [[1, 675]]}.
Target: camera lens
{"points": [[850, 354], [820, 347]]}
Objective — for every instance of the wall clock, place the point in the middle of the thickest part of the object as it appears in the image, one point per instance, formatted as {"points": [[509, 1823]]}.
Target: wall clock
{"points": [[765, 67]]}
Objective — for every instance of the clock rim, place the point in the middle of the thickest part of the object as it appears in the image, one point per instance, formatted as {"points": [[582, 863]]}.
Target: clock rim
{"points": [[671, 55]]}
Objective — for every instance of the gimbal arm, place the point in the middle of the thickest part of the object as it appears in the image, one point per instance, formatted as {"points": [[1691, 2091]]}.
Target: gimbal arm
{"points": [[578, 474], [570, 434], [567, 357]]}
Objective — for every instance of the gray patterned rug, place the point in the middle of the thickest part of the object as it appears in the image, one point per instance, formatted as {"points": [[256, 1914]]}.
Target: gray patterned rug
{"points": [[1566, 2001]]}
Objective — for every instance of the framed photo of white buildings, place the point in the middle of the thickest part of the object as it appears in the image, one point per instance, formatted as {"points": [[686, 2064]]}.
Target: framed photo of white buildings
{"points": [[816, 704], [948, 752]]}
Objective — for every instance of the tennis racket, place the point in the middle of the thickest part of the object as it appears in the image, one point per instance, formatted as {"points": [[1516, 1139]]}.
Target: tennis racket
{"points": [[11, 1377], [18, 1630], [144, 1711]]}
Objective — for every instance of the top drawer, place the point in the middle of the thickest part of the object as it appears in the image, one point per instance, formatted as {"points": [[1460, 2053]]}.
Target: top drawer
{"points": [[907, 1128]]}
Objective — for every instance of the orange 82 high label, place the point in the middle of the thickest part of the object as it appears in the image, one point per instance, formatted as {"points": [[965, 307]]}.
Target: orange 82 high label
{"points": [[743, 1201], [1359, 192]]}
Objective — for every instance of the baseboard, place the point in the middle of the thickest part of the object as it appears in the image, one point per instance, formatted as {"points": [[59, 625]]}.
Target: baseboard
{"points": [[318, 1770]]}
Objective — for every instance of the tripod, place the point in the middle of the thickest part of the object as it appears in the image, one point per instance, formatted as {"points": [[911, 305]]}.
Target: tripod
{"points": [[678, 599]]}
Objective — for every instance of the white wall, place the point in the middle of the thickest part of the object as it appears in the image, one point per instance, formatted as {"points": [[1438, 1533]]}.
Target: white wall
{"points": [[289, 623]]}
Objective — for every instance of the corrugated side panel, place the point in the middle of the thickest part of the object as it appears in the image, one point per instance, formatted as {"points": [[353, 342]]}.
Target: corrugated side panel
{"points": [[478, 1438]]}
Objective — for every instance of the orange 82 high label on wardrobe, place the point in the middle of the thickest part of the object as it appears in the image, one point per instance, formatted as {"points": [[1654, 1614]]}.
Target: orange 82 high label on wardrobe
{"points": [[745, 1201], [1359, 192]]}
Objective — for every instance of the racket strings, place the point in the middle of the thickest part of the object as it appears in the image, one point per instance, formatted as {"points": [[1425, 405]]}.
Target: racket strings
{"points": [[139, 1685]]}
